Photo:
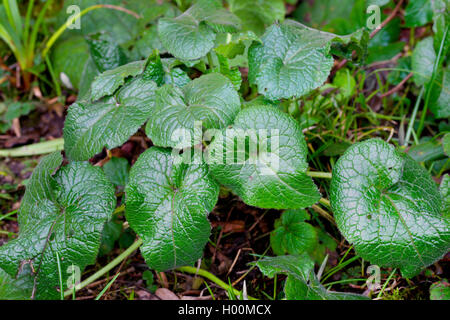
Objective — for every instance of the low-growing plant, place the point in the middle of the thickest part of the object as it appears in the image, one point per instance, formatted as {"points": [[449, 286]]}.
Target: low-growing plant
{"points": [[205, 135]]}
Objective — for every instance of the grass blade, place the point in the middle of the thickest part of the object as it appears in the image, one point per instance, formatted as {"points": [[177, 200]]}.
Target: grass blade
{"points": [[107, 287]]}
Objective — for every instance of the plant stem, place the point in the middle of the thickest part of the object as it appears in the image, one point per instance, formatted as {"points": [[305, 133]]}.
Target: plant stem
{"points": [[325, 202], [34, 149], [106, 268], [213, 278], [210, 60], [386, 283], [329, 284], [323, 213], [53, 76], [339, 267], [413, 117], [60, 277], [319, 174]]}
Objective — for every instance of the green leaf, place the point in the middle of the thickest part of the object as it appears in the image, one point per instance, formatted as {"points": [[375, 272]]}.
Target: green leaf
{"points": [[165, 71], [108, 122], [64, 213], [16, 109], [301, 283], [210, 99], [185, 37], [441, 20], [116, 169], [148, 42], [167, 205], [77, 62], [385, 45], [154, 69], [120, 25], [235, 44], [319, 14], [426, 151], [173, 75], [70, 57], [10, 289], [231, 73], [292, 234], [262, 157], [440, 290], [313, 290], [297, 266], [345, 82], [418, 13], [422, 61], [191, 35], [111, 233], [294, 59], [440, 101], [89, 73], [105, 52], [256, 15], [446, 144], [388, 207], [445, 193], [109, 81]]}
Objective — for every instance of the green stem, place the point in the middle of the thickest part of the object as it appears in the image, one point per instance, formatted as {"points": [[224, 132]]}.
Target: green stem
{"points": [[325, 202], [54, 77], [210, 60], [106, 268], [213, 278], [319, 174], [27, 21], [413, 117], [339, 267], [386, 283], [8, 215], [34, 149], [329, 284]]}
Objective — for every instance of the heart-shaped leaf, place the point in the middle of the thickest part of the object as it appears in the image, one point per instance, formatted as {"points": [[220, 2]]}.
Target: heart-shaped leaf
{"points": [[62, 215], [294, 59], [210, 99], [388, 207], [292, 235], [191, 35], [263, 159], [167, 205], [301, 283], [108, 122]]}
